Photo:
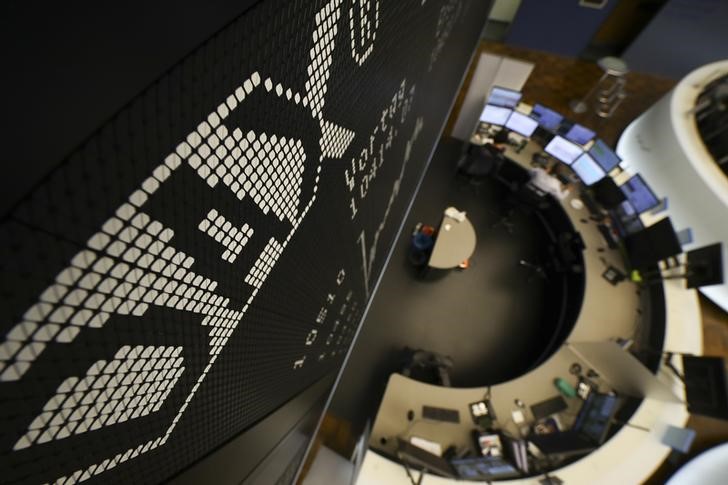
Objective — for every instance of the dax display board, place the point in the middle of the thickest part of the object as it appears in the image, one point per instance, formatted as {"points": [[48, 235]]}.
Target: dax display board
{"points": [[206, 255]]}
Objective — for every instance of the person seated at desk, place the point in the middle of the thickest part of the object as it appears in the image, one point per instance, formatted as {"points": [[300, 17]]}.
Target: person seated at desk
{"points": [[480, 160], [493, 142], [499, 143], [544, 180]]}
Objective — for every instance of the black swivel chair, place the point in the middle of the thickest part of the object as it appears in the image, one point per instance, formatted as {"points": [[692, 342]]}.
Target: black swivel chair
{"points": [[511, 175], [477, 163], [426, 366], [565, 253], [532, 198], [514, 178]]}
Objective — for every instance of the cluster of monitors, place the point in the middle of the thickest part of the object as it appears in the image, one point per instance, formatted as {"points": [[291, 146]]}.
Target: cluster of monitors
{"points": [[567, 146], [589, 431], [568, 140], [630, 199], [500, 110], [474, 468]]}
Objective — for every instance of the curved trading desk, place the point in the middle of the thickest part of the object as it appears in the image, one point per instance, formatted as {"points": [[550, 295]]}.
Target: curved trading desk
{"points": [[631, 455]]}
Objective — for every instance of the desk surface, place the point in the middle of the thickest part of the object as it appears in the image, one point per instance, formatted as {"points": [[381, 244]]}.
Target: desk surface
{"points": [[455, 242], [608, 311]]}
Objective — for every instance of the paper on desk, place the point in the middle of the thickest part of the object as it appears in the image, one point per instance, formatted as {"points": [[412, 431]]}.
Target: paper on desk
{"points": [[453, 213], [430, 446]]}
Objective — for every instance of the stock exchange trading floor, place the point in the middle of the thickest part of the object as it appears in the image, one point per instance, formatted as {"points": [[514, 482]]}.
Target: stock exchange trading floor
{"points": [[486, 318]]}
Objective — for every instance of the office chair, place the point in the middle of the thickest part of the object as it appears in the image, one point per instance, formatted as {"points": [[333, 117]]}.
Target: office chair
{"points": [[525, 199], [511, 175], [426, 366], [565, 252], [477, 163], [532, 198]]}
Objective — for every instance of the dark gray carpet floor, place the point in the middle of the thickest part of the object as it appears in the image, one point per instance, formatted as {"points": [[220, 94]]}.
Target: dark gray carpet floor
{"points": [[484, 318]]}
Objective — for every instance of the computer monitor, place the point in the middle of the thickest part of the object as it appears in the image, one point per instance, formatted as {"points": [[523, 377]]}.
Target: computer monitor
{"points": [[415, 455], [495, 115], [607, 193], [630, 226], [548, 119], [504, 97], [639, 194], [705, 266], [484, 468], [516, 451], [626, 210], [580, 134], [588, 432], [595, 416], [587, 169], [706, 385], [652, 244], [604, 156], [627, 219], [544, 409], [563, 150], [512, 174], [521, 124]]}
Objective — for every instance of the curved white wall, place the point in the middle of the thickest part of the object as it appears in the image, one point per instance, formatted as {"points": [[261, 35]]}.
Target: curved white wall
{"points": [[664, 146]]}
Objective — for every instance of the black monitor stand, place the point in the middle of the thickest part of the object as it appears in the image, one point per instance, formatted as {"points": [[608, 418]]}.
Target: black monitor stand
{"points": [[703, 267]]}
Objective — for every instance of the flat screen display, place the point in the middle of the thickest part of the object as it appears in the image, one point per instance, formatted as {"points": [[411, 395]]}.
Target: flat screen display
{"points": [[596, 416], [484, 468], [563, 150], [630, 226], [587, 169], [706, 385], [580, 134], [604, 155], [652, 244], [495, 115], [628, 219], [626, 209], [705, 265], [521, 124], [548, 119], [504, 97], [639, 194]]}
